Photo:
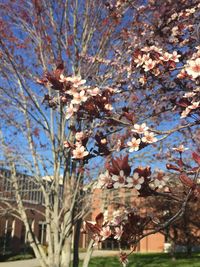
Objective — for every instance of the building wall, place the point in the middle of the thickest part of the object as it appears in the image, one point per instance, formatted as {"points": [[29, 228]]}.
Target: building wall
{"points": [[13, 234], [152, 243], [112, 200]]}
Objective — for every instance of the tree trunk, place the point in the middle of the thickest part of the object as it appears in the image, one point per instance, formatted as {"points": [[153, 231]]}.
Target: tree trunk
{"points": [[88, 254], [189, 250], [66, 253], [76, 243]]}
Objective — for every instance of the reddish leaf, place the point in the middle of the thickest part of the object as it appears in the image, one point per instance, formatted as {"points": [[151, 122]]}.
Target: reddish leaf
{"points": [[173, 167], [196, 157], [143, 171], [183, 103], [59, 70], [95, 229], [99, 219], [180, 163], [36, 132], [186, 180]]}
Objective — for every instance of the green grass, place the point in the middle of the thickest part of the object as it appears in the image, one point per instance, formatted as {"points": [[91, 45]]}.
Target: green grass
{"points": [[149, 260]]}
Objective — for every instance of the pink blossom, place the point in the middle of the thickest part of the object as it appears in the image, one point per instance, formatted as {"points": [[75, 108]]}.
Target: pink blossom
{"points": [[104, 179], [152, 48], [165, 57], [180, 148], [66, 144], [79, 97], [175, 31], [79, 152], [149, 65], [175, 56], [135, 181], [70, 110], [140, 129], [79, 136], [142, 80], [118, 232], [134, 144], [62, 78], [160, 183], [182, 74], [149, 137], [189, 94], [72, 91], [194, 105], [118, 145], [93, 92], [76, 80], [105, 232], [141, 59], [108, 107], [103, 141], [185, 113], [160, 180], [119, 180], [193, 68]]}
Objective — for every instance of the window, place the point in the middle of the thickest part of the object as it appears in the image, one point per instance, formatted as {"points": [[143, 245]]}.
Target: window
{"points": [[42, 233]]}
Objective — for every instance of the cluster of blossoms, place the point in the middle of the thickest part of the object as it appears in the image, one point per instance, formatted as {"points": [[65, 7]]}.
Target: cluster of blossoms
{"points": [[190, 103], [102, 228], [79, 151], [118, 175], [184, 22], [183, 14], [190, 108], [159, 179], [147, 138], [124, 226], [192, 67], [107, 180], [78, 91], [150, 58], [75, 96]]}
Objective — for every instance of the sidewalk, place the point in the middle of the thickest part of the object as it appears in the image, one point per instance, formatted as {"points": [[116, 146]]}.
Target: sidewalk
{"points": [[35, 263]]}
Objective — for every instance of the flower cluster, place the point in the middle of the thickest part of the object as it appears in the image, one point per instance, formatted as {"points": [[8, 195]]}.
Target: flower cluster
{"points": [[159, 179], [129, 225], [148, 137], [151, 57], [102, 229], [107, 180], [77, 97], [190, 103], [118, 175], [79, 152], [78, 149], [193, 68]]}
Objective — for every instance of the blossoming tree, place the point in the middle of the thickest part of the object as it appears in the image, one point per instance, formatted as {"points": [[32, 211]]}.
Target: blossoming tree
{"points": [[90, 82]]}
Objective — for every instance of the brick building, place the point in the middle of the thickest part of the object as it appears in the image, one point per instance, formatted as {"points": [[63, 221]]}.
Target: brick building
{"points": [[110, 201], [12, 230]]}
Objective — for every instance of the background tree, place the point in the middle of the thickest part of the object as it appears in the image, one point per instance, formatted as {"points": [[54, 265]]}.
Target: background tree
{"points": [[79, 79], [185, 231]]}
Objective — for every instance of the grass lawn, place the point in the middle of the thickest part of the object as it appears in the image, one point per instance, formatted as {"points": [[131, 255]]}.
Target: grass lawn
{"points": [[149, 260]]}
